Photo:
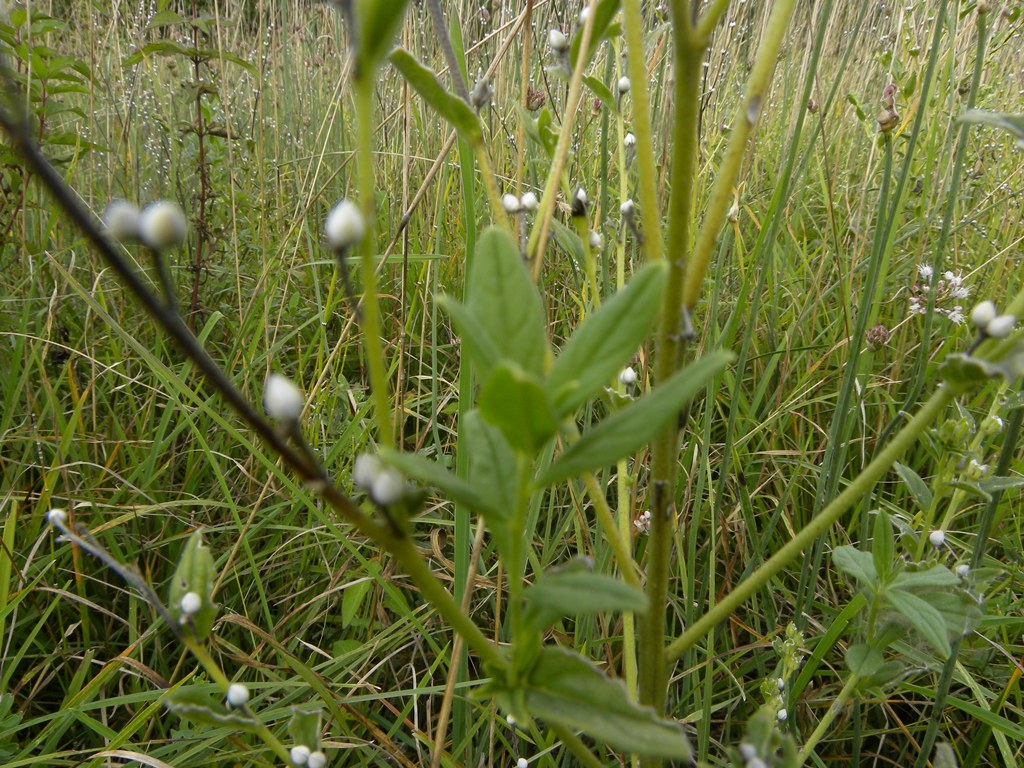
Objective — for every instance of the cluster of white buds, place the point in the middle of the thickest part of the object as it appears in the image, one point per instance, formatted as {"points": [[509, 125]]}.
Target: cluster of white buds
{"points": [[238, 695], [986, 319], [344, 225], [948, 290], [282, 400], [525, 204], [159, 226], [302, 755], [384, 484], [643, 522]]}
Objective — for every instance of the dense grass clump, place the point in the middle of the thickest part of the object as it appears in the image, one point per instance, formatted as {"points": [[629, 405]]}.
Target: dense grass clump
{"points": [[843, 277]]}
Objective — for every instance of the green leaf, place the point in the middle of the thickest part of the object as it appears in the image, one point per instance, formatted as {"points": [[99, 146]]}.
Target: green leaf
{"points": [[883, 547], [352, 600], [625, 431], [606, 340], [965, 372], [958, 608], [602, 91], [377, 22], [196, 572], [923, 617], [304, 727], [431, 473], [504, 301], [565, 688], [516, 403], [859, 565], [164, 18], [476, 344], [192, 703], [159, 48], [604, 12], [945, 757], [576, 591], [936, 577], [453, 109], [492, 470], [918, 488], [1008, 122], [864, 660]]}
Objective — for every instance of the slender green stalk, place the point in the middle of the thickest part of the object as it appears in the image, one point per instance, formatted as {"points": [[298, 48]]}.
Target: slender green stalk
{"points": [[616, 537], [575, 745], [833, 711], [906, 437]]}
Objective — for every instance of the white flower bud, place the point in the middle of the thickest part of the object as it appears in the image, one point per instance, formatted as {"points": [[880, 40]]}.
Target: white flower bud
{"points": [[627, 377], [627, 208], [529, 201], [783, 714], [366, 470], [299, 754], [191, 603], [781, 683], [596, 241], [388, 487], [282, 399], [557, 40], [983, 314], [121, 219], [629, 140], [1000, 327], [937, 538], [162, 225], [344, 226], [57, 517], [623, 85], [963, 570], [238, 695], [511, 203], [522, 762], [317, 760], [581, 196]]}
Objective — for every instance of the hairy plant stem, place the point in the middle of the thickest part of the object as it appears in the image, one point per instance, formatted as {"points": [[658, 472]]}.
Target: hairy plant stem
{"points": [[371, 309], [906, 437], [833, 711]]}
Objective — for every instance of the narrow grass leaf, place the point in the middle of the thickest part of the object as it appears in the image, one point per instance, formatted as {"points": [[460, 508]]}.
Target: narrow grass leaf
{"points": [[606, 340], [424, 81], [627, 430]]}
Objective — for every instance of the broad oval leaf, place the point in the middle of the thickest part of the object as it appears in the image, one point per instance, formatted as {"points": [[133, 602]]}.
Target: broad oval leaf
{"points": [[859, 565], [304, 726], [492, 470], [864, 660], [625, 431], [1008, 122], [936, 577], [604, 11], [883, 548], [923, 617], [516, 403], [476, 344], [918, 488], [424, 81], [606, 340], [577, 592]]}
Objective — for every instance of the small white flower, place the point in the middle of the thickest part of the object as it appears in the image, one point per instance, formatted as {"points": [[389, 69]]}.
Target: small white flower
{"points": [[963, 570], [317, 760], [238, 695], [191, 603], [529, 201], [627, 377], [121, 219], [522, 762], [629, 140], [623, 85], [961, 291], [783, 714], [162, 225], [281, 398], [57, 517], [1000, 327], [925, 271], [627, 208], [983, 314], [937, 538], [558, 41], [366, 470], [511, 203], [299, 754], [596, 241], [388, 487], [344, 225], [956, 315]]}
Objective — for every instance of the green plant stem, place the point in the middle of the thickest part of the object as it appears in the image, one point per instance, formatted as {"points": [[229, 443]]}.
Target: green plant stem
{"points": [[833, 711], [575, 745], [743, 125], [371, 309], [198, 650], [615, 537], [906, 437], [491, 185], [647, 173], [706, 24], [589, 263]]}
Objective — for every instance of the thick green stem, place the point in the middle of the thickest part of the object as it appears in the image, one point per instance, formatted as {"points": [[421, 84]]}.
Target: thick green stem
{"points": [[906, 437], [837, 706]]}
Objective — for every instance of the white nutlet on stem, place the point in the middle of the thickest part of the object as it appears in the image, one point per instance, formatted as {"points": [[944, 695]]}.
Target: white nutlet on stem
{"points": [[557, 41], [317, 760], [238, 695], [511, 203], [627, 377], [529, 201], [627, 208], [281, 398], [937, 538], [522, 762], [345, 225], [299, 754], [782, 715], [162, 225], [121, 220], [596, 241], [983, 314], [57, 517], [629, 140], [366, 470], [623, 85], [388, 487], [191, 603], [1000, 327]]}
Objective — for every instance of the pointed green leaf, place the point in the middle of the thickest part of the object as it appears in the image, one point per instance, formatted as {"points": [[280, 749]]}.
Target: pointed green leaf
{"points": [[191, 703], [606, 341], [492, 470], [864, 660], [428, 472], [1008, 122], [923, 617], [853, 562], [504, 301], [377, 22], [304, 727], [918, 488], [883, 547], [196, 573], [476, 344], [625, 431], [936, 577], [604, 12], [517, 404], [602, 91], [423, 80], [578, 592]]}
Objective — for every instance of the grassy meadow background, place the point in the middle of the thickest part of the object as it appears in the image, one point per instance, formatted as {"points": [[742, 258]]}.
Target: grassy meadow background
{"points": [[99, 415]]}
